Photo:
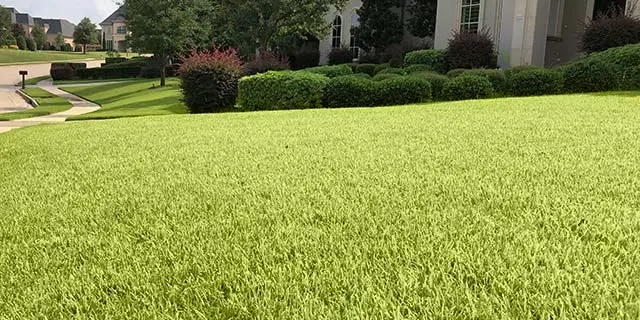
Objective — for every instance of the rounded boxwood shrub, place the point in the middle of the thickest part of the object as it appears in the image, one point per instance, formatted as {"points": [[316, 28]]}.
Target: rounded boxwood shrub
{"points": [[437, 83], [418, 68], [368, 68], [467, 87], [393, 71], [331, 71], [631, 79], [496, 77], [456, 72], [590, 76], [403, 90], [361, 75], [436, 60], [385, 76], [209, 80], [381, 67], [535, 82], [515, 70], [281, 90], [65, 72], [349, 92], [625, 57]]}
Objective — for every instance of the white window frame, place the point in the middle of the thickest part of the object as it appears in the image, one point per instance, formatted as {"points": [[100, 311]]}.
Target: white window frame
{"points": [[353, 41], [480, 6], [555, 27], [336, 38], [122, 28]]}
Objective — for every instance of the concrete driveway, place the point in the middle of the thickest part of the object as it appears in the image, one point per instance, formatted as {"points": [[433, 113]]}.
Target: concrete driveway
{"points": [[9, 100]]}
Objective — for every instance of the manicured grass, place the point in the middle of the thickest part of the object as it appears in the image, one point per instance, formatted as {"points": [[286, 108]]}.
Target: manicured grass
{"points": [[8, 56], [49, 104], [66, 82], [34, 81], [496, 209], [132, 99]]}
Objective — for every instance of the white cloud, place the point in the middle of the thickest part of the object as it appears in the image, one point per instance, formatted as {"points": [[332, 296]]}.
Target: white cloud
{"points": [[72, 10]]}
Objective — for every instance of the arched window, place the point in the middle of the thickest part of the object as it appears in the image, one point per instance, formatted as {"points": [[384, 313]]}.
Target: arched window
{"points": [[353, 42], [336, 41]]}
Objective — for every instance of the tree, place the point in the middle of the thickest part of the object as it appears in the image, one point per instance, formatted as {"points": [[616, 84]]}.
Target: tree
{"points": [[5, 23], [18, 31], [167, 27], [21, 42], [422, 24], [60, 41], [38, 35], [84, 34], [379, 25], [265, 24]]}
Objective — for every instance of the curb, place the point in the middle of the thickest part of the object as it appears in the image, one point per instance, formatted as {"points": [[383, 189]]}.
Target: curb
{"points": [[26, 97]]}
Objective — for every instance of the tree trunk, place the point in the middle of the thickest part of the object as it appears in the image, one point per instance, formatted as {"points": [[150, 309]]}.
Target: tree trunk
{"points": [[84, 48], [163, 71]]}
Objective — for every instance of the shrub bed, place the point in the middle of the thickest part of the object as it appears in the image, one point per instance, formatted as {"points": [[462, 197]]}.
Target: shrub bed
{"points": [[456, 72], [468, 87], [437, 81], [114, 60], [496, 77], [282, 90], [436, 60], [393, 71], [109, 73], [591, 75], [331, 71], [66, 70], [350, 91], [535, 82], [385, 76], [368, 68], [209, 80], [418, 68], [403, 90]]}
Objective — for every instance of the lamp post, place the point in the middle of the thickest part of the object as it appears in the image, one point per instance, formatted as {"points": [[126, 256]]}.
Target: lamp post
{"points": [[23, 73]]}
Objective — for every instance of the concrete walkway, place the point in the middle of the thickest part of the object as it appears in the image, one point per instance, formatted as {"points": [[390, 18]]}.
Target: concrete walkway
{"points": [[80, 106]]}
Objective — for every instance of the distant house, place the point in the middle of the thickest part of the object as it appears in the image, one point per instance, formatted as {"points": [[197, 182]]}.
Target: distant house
{"points": [[526, 32], [114, 32], [52, 27]]}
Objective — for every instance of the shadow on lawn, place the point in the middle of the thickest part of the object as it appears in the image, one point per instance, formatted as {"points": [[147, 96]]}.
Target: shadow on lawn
{"points": [[626, 94]]}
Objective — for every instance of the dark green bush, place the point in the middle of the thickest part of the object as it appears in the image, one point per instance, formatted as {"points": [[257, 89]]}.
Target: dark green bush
{"points": [[279, 90], [331, 71], [340, 56], [62, 73], [403, 90], [418, 68], [360, 75], [113, 60], [437, 81], [591, 76], [368, 68], [350, 91], [515, 70], [381, 67], [631, 79], [535, 82], [496, 77], [385, 76], [625, 57], [436, 60], [353, 66], [456, 72], [472, 51], [467, 87], [31, 44], [397, 71], [109, 73], [610, 29]]}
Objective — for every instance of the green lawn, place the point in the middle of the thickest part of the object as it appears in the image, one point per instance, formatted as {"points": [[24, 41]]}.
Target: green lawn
{"points": [[34, 81], [49, 104], [496, 209], [67, 82], [131, 99], [8, 56]]}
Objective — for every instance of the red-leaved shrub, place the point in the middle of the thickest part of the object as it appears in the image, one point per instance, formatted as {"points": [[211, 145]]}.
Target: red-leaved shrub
{"points": [[210, 80], [265, 61]]}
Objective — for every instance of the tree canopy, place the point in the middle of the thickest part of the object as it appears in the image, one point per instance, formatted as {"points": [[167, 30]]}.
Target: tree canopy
{"points": [[38, 35], [5, 22], [423, 20], [379, 25], [85, 34]]}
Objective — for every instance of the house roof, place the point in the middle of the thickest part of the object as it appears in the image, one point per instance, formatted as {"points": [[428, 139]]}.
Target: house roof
{"points": [[57, 26], [24, 18], [116, 16], [13, 12]]}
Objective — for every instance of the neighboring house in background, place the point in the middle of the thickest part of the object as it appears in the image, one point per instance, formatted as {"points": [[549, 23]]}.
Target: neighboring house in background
{"points": [[114, 32], [51, 26], [526, 32]]}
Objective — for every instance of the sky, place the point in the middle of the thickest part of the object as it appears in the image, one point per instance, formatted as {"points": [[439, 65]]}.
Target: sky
{"points": [[72, 10]]}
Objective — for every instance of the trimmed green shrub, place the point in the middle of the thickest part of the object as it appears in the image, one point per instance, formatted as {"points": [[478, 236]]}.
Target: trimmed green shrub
{"points": [[381, 67], [535, 82], [456, 72], [496, 77], [109, 73], [209, 80], [625, 57], [418, 68], [515, 70], [360, 75], [468, 87], [437, 83], [403, 90], [331, 71], [436, 60], [591, 76], [340, 56], [393, 71], [349, 92], [631, 79], [31, 44], [62, 73], [22, 42], [368, 68], [385, 76], [472, 51], [353, 66], [113, 60], [280, 90]]}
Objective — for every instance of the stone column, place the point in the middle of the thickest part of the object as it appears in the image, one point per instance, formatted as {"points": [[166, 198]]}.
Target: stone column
{"points": [[529, 37]]}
